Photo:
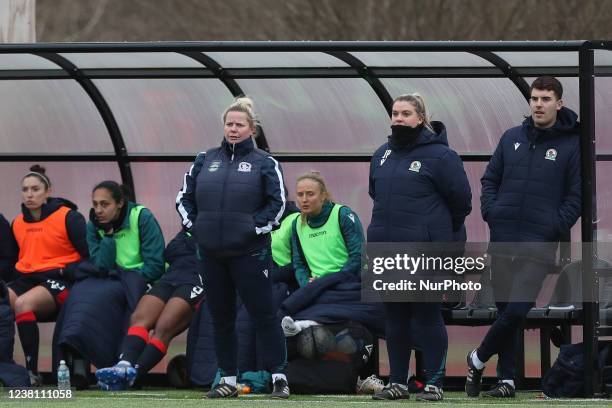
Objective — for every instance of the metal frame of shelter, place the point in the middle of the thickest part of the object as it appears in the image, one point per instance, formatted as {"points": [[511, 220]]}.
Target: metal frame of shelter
{"points": [[585, 71]]}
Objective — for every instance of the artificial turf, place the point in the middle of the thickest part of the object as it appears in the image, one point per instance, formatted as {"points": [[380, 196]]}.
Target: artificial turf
{"points": [[160, 397]]}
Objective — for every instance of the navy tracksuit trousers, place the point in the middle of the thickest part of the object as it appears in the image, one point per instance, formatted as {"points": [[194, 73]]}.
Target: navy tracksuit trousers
{"points": [[249, 276], [418, 325], [516, 284]]}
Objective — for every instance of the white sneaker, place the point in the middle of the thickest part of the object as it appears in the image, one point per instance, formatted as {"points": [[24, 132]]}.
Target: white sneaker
{"points": [[289, 327], [35, 379], [369, 385]]}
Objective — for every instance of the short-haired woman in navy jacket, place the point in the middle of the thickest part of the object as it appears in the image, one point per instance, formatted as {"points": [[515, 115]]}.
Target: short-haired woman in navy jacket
{"points": [[421, 194], [232, 197]]}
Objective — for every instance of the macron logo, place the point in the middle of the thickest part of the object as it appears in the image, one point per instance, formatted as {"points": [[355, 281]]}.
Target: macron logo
{"points": [[387, 153], [195, 292], [516, 145]]}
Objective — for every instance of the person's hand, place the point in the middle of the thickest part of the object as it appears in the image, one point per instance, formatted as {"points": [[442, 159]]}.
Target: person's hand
{"points": [[312, 278]]}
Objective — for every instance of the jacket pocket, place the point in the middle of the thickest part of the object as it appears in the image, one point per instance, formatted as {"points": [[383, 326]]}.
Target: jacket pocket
{"points": [[441, 234], [555, 225], [239, 231], [491, 213]]}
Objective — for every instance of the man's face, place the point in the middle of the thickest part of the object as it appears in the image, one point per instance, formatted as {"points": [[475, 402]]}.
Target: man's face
{"points": [[544, 106]]}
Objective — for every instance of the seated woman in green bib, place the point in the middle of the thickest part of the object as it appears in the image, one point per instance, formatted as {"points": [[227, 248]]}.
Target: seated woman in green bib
{"points": [[127, 254], [326, 237]]}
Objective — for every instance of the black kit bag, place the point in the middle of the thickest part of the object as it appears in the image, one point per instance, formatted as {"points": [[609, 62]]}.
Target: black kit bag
{"points": [[565, 379], [329, 358], [321, 377]]}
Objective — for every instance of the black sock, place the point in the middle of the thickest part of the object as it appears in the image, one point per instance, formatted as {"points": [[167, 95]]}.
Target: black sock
{"points": [[133, 344], [27, 327], [152, 354]]}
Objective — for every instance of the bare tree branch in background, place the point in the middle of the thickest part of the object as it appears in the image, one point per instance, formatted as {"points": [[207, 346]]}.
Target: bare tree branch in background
{"points": [[151, 20], [17, 21], [89, 28]]}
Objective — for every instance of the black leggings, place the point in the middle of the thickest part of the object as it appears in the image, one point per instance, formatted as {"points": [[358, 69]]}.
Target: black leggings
{"points": [[249, 276], [418, 325]]}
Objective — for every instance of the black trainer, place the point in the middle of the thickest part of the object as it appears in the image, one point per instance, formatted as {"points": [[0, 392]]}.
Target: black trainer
{"points": [[222, 390], [392, 392], [280, 389], [473, 381], [500, 390], [430, 393]]}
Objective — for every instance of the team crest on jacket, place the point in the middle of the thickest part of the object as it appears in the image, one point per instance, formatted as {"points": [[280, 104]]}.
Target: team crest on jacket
{"points": [[214, 166], [551, 154], [415, 166], [244, 167], [387, 153]]}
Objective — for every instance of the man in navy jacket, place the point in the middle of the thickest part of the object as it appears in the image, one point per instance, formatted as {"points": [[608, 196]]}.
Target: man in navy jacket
{"points": [[530, 198]]}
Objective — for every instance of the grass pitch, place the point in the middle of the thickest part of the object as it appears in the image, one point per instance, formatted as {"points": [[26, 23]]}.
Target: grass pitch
{"points": [[164, 398]]}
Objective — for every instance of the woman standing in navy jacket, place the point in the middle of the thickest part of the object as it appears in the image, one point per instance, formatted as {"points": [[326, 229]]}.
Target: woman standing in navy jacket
{"points": [[421, 194], [232, 197]]}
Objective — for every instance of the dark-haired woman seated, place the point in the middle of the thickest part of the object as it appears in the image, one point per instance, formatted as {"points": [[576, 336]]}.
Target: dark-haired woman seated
{"points": [[126, 246]]}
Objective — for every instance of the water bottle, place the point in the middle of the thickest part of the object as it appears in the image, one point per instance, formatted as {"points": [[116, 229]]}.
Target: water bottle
{"points": [[63, 376]]}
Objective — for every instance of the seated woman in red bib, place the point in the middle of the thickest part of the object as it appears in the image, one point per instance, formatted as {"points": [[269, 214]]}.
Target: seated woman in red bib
{"points": [[51, 238]]}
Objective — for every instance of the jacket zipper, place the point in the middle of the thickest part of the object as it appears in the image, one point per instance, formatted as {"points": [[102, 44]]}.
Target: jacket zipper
{"points": [[532, 150], [389, 193], [226, 175]]}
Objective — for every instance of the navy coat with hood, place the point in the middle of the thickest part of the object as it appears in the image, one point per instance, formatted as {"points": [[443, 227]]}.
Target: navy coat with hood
{"points": [[531, 187], [420, 190]]}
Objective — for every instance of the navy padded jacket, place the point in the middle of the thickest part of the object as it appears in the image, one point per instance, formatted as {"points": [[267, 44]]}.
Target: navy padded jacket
{"points": [[531, 187], [420, 191], [232, 197]]}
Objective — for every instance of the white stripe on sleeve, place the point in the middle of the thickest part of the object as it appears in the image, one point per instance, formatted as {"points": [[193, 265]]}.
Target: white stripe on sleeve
{"points": [[276, 221]]}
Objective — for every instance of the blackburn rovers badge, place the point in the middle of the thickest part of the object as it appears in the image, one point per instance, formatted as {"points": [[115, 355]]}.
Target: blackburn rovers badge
{"points": [[415, 166], [244, 167]]}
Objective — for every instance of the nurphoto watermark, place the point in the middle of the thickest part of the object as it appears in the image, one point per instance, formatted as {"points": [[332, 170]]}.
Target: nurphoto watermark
{"points": [[458, 272]]}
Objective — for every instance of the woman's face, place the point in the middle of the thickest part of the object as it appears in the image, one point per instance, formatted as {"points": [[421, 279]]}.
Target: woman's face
{"points": [[310, 198], [106, 208], [404, 114], [34, 193], [237, 127]]}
